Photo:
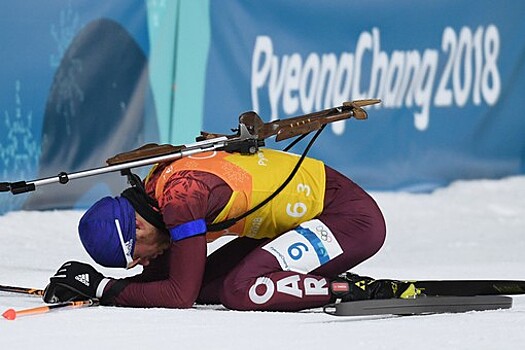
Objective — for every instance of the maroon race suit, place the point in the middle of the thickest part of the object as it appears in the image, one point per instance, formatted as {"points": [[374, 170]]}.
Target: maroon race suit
{"points": [[240, 274]]}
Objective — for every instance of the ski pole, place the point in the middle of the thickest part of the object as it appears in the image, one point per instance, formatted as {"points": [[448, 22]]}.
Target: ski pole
{"points": [[11, 314], [22, 290]]}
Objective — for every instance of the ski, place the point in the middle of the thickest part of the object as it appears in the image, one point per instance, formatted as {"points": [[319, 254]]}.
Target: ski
{"points": [[419, 306], [22, 290], [470, 287]]}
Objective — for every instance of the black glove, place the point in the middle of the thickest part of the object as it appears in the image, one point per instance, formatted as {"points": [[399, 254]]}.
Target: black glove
{"points": [[75, 281]]}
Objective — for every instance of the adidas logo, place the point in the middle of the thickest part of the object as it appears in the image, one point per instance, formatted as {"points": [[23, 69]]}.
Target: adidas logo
{"points": [[83, 278]]}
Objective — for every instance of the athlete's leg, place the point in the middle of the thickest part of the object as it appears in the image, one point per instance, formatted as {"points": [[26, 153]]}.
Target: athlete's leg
{"points": [[293, 271], [222, 261]]}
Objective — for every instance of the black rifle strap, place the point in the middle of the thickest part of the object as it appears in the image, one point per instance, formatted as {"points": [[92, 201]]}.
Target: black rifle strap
{"points": [[294, 142], [146, 206]]}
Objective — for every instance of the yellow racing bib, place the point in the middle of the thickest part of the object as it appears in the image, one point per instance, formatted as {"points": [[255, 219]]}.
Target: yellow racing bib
{"points": [[253, 178]]}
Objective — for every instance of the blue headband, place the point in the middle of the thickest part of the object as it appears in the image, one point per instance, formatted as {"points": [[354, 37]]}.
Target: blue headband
{"points": [[99, 231]]}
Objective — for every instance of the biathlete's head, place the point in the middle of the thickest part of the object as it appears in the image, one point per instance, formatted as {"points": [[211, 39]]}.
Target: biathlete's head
{"points": [[116, 233]]}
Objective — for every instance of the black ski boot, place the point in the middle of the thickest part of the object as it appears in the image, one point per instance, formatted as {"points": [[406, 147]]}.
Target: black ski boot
{"points": [[351, 287]]}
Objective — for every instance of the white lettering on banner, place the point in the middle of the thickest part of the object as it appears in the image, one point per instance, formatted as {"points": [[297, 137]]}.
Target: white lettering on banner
{"points": [[402, 79], [288, 285]]}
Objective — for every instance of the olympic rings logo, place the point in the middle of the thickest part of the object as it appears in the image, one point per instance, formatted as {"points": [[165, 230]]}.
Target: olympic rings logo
{"points": [[324, 233]]}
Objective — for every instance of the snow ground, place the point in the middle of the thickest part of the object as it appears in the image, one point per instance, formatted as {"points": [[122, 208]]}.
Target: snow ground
{"points": [[471, 229]]}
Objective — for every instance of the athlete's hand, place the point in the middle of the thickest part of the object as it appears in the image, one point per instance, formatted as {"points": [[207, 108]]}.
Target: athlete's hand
{"points": [[75, 281]]}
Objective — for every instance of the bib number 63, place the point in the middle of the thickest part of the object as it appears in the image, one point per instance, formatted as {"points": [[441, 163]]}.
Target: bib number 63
{"points": [[298, 209]]}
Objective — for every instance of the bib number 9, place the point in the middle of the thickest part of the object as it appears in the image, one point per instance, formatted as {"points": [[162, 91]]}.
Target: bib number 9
{"points": [[295, 251], [304, 248]]}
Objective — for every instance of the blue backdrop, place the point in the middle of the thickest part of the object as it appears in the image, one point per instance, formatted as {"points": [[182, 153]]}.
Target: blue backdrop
{"points": [[74, 91], [451, 84], [83, 80]]}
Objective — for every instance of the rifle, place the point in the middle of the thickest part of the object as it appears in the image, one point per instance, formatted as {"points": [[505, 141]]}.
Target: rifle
{"points": [[248, 137]]}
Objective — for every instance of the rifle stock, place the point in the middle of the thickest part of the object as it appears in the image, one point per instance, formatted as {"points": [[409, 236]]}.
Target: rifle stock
{"points": [[296, 126], [283, 129], [146, 151], [249, 136]]}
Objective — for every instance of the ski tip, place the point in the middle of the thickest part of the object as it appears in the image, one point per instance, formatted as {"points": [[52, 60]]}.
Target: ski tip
{"points": [[9, 314]]}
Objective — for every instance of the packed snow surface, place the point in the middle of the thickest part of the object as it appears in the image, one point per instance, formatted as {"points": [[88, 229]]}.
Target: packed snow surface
{"points": [[469, 230]]}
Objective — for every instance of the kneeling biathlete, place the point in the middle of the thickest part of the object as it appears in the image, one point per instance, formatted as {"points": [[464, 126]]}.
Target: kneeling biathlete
{"points": [[291, 254]]}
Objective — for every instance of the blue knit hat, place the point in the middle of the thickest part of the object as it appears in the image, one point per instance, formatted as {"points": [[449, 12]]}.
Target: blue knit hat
{"points": [[108, 232]]}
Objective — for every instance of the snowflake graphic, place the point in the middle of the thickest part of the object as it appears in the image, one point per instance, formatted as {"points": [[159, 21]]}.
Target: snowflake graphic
{"points": [[19, 151], [63, 33], [67, 90]]}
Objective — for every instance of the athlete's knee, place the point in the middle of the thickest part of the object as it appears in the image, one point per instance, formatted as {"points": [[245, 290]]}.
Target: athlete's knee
{"points": [[233, 292], [376, 236]]}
